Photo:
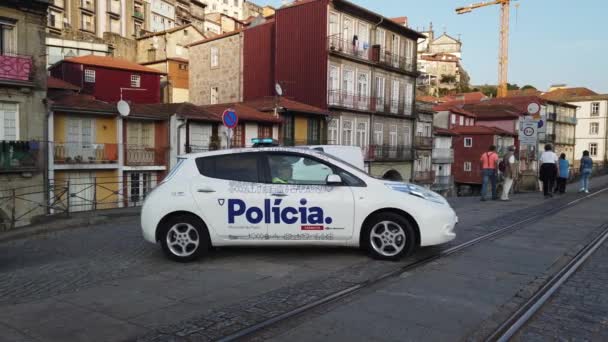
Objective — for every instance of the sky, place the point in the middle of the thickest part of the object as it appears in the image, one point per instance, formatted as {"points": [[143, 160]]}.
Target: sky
{"points": [[551, 41]]}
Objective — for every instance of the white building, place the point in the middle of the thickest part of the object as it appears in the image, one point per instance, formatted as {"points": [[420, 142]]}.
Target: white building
{"points": [[233, 8], [443, 157], [163, 15], [592, 127]]}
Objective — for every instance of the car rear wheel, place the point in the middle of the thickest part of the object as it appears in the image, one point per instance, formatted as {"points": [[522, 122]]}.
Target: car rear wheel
{"points": [[389, 236], [184, 238]]}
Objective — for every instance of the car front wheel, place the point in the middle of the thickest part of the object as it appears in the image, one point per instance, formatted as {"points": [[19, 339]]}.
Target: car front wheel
{"points": [[389, 236], [184, 238]]}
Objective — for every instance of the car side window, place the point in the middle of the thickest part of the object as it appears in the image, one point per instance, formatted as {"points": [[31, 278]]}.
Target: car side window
{"points": [[242, 167], [297, 169]]}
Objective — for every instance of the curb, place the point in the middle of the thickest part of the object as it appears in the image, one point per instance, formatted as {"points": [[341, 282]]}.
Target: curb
{"points": [[60, 225]]}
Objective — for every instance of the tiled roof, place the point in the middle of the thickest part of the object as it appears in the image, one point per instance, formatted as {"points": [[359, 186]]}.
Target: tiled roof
{"points": [[55, 83], [244, 112], [219, 36], [526, 92], [479, 130], [79, 102], [600, 97], [454, 109], [400, 20], [566, 93], [521, 102], [165, 110], [440, 57], [494, 111], [111, 62], [465, 98], [267, 104], [429, 99], [443, 131]]}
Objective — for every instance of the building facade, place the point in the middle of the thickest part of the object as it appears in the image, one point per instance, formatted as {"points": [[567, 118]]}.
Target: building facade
{"points": [[442, 159], [162, 15], [22, 111], [592, 127], [190, 12], [110, 79], [167, 52], [424, 173], [233, 8]]}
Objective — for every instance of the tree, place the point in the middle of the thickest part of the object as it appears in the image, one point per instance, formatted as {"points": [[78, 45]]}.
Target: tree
{"points": [[449, 79], [487, 90], [527, 86], [512, 86]]}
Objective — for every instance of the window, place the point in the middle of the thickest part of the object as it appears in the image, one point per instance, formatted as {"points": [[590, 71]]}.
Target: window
{"points": [[593, 149], [332, 130], [135, 81], [409, 94], [595, 109], [288, 125], [87, 22], [363, 90], [9, 121], [334, 25], [395, 97], [594, 128], [380, 93], [140, 134], [264, 131], [241, 167], [314, 132], [89, 75], [214, 95], [381, 38], [183, 66], [238, 136], [347, 132], [468, 142], [453, 119], [348, 87], [296, 169], [378, 133], [461, 120], [8, 36], [467, 167], [393, 138], [362, 134], [215, 57], [334, 85]]}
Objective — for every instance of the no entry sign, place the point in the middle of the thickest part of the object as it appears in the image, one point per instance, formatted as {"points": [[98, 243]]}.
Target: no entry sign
{"points": [[230, 118]]}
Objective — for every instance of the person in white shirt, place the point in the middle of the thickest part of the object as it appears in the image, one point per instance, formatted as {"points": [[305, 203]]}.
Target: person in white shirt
{"points": [[510, 173], [549, 169]]}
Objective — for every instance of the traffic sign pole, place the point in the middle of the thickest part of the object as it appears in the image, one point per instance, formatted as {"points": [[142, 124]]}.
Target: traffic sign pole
{"points": [[230, 120]]}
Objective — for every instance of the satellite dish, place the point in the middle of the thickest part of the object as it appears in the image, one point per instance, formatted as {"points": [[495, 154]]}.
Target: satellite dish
{"points": [[123, 108], [278, 89]]}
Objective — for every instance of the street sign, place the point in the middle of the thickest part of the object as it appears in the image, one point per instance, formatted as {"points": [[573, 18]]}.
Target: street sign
{"points": [[230, 118], [533, 108], [528, 134]]}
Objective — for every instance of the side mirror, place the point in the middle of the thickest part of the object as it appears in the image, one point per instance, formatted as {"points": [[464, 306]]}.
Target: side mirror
{"points": [[333, 180]]}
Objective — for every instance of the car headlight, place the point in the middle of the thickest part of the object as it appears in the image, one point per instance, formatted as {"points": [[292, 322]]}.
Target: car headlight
{"points": [[417, 191]]}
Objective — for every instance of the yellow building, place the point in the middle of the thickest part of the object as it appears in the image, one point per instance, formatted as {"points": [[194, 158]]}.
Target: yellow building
{"points": [[84, 154]]}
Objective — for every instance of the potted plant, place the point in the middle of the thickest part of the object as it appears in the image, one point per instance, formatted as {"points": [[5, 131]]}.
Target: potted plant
{"points": [[78, 159], [68, 160], [92, 160]]}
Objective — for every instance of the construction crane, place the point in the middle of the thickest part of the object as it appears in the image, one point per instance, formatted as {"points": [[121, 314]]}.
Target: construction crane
{"points": [[503, 56]]}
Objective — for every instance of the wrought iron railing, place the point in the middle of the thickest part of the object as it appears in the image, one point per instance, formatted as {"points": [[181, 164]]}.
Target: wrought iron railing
{"points": [[396, 61], [142, 155], [353, 48], [15, 67], [85, 153], [388, 153], [350, 100], [423, 142], [20, 156]]}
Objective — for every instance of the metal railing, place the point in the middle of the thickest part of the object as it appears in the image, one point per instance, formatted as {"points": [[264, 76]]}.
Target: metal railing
{"points": [[142, 155], [423, 142], [349, 100], [443, 155], [566, 119], [85, 153], [139, 15], [15, 67], [396, 61], [388, 153], [20, 156], [336, 43]]}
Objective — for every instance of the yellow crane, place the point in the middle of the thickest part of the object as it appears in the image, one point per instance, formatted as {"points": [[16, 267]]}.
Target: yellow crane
{"points": [[503, 55]]}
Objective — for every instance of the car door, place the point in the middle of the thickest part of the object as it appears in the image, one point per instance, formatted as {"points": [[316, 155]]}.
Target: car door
{"points": [[303, 206], [229, 195]]}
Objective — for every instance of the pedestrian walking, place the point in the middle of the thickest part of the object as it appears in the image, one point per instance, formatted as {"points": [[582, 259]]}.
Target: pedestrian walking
{"points": [[510, 173], [548, 170], [489, 171], [586, 168], [564, 173]]}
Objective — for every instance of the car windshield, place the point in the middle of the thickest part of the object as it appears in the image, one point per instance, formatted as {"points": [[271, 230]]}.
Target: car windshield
{"points": [[330, 156]]}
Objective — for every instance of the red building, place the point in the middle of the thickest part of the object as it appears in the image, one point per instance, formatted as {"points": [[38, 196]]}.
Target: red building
{"points": [[451, 116], [469, 144], [106, 78]]}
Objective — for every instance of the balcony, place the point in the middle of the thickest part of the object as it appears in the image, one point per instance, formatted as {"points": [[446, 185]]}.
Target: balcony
{"points": [[443, 156], [19, 156], [566, 119], [443, 183], [424, 177], [397, 62], [15, 68], [552, 116], [344, 99], [139, 15], [337, 44], [564, 141], [423, 142], [85, 153], [388, 153], [144, 156], [549, 138]]}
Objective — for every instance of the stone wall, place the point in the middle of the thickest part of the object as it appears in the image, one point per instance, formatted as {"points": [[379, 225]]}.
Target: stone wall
{"points": [[121, 47], [226, 76]]}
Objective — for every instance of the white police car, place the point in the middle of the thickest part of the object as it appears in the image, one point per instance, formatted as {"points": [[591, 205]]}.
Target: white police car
{"points": [[289, 196]]}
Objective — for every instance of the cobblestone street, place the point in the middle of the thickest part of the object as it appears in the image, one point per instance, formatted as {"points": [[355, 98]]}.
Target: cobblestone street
{"points": [[104, 283]]}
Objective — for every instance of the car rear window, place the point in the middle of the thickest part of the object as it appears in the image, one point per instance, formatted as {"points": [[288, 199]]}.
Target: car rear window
{"points": [[238, 167]]}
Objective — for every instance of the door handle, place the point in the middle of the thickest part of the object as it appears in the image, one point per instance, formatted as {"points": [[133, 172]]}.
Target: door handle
{"points": [[206, 190], [279, 194]]}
